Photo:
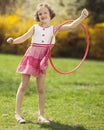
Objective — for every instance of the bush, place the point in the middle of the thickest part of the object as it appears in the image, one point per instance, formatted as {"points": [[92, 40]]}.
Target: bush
{"points": [[13, 26], [68, 44], [97, 38]]}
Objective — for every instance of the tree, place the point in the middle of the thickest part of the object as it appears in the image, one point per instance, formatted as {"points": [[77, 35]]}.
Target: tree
{"points": [[6, 5], [96, 9]]}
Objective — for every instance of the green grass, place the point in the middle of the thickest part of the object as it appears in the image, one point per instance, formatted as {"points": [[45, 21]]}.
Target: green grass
{"points": [[73, 102]]}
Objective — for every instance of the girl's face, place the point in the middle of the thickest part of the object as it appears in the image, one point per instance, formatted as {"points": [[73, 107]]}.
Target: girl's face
{"points": [[44, 15]]}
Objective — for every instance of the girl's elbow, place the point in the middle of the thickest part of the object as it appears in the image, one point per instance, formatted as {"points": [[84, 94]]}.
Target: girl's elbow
{"points": [[72, 27]]}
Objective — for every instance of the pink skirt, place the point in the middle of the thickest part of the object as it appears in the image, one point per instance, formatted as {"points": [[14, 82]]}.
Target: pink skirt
{"points": [[30, 63]]}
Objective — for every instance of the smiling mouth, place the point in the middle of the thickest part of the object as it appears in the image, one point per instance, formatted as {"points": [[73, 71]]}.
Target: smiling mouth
{"points": [[43, 18]]}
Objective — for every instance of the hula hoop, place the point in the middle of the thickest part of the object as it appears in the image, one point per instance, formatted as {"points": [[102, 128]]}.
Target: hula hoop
{"points": [[86, 51]]}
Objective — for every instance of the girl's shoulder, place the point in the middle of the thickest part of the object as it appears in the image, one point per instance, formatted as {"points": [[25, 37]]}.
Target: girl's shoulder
{"points": [[34, 28], [41, 27], [56, 28], [35, 25]]}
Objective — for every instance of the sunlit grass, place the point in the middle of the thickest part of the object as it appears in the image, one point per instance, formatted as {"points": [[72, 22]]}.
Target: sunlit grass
{"points": [[73, 102]]}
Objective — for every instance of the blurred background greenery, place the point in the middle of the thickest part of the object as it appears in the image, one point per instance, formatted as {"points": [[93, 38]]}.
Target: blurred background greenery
{"points": [[16, 17]]}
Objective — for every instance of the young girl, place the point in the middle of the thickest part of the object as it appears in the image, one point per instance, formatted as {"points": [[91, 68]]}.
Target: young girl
{"points": [[30, 65]]}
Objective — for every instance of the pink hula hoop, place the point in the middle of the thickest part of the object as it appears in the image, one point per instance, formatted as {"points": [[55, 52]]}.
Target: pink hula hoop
{"points": [[86, 51]]}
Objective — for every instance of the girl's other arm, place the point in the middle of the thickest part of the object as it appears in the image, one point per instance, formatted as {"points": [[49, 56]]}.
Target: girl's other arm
{"points": [[76, 22], [21, 38]]}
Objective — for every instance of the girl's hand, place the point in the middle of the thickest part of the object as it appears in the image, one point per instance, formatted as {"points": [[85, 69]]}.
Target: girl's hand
{"points": [[84, 13], [10, 40]]}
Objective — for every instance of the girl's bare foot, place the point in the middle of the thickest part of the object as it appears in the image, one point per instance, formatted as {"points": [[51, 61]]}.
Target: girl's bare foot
{"points": [[43, 120]]}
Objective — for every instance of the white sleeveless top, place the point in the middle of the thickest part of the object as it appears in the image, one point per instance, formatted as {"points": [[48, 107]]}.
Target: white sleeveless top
{"points": [[43, 35]]}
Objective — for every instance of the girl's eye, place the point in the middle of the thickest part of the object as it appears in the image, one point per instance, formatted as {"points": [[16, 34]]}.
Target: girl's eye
{"points": [[45, 12], [42, 13]]}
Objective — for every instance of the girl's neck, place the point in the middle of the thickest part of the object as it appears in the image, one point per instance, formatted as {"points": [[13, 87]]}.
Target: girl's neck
{"points": [[45, 24]]}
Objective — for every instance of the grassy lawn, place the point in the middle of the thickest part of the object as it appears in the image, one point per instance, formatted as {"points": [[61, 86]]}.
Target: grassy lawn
{"points": [[73, 102]]}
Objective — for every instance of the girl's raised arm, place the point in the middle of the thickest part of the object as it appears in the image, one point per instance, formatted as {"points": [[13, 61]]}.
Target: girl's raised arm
{"points": [[76, 22], [22, 38]]}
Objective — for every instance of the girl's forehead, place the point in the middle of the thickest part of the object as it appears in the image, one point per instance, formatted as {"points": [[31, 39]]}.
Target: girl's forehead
{"points": [[42, 9]]}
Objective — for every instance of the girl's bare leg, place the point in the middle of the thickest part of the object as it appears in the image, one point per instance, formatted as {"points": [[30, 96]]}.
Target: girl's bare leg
{"points": [[41, 97], [20, 93]]}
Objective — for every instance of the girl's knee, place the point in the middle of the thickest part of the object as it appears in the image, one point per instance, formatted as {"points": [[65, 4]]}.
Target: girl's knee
{"points": [[23, 87], [24, 82], [40, 84], [40, 90]]}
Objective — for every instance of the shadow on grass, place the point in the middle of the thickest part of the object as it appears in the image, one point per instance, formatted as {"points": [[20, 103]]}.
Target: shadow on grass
{"points": [[58, 126]]}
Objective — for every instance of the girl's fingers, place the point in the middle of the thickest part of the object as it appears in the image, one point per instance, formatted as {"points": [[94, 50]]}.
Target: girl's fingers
{"points": [[10, 40], [85, 12]]}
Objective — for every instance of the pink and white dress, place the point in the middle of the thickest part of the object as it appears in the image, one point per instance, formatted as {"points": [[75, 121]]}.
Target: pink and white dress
{"points": [[40, 44]]}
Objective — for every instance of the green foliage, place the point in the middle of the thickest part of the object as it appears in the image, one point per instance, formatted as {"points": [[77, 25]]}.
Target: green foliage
{"points": [[69, 44], [96, 10], [7, 6], [97, 38]]}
